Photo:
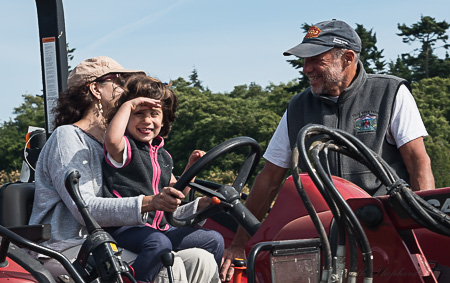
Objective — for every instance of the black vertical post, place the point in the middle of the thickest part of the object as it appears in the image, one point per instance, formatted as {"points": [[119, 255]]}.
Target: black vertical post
{"points": [[52, 38]]}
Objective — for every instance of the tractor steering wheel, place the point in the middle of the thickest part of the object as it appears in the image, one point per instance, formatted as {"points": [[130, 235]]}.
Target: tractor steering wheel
{"points": [[226, 197]]}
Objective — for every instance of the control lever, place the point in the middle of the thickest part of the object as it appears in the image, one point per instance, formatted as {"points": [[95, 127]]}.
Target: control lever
{"points": [[102, 246], [239, 268], [167, 260]]}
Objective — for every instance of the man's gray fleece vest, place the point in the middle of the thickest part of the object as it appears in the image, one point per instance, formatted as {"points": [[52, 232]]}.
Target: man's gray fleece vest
{"points": [[363, 109]]}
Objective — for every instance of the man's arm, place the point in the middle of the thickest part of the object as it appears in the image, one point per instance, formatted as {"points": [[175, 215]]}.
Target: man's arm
{"points": [[418, 164], [266, 186]]}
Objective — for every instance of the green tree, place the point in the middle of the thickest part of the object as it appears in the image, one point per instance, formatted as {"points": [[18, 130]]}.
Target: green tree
{"points": [[277, 97], [252, 91], [195, 81], [297, 63], [13, 132], [433, 97], [428, 32], [370, 56], [207, 119], [70, 55], [400, 68]]}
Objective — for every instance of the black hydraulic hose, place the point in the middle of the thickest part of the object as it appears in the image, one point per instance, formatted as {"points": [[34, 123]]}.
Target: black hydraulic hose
{"points": [[353, 269], [332, 138], [324, 193], [313, 215], [344, 143], [343, 229], [315, 178], [303, 155], [398, 197], [315, 151], [414, 204], [366, 156], [346, 210], [421, 211], [391, 174], [384, 173], [301, 141], [431, 223], [353, 148], [441, 217]]}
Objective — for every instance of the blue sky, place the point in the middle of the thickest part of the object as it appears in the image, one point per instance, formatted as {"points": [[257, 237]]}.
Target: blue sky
{"points": [[230, 42]]}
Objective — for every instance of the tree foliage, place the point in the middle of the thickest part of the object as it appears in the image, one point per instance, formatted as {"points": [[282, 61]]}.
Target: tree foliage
{"points": [[13, 132], [70, 55], [206, 119], [297, 63], [428, 32], [195, 81], [370, 56], [433, 97]]}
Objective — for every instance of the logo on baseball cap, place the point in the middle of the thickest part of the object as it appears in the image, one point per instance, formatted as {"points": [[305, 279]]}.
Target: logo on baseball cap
{"points": [[324, 36]]}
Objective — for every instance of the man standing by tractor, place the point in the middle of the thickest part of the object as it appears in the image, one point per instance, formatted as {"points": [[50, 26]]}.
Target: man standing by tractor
{"points": [[377, 109]]}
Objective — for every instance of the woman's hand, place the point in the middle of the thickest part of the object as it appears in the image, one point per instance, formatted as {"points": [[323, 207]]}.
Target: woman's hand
{"points": [[203, 203], [168, 200]]}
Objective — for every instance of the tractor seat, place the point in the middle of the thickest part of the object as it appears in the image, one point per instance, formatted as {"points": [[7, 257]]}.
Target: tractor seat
{"points": [[16, 201], [16, 205]]}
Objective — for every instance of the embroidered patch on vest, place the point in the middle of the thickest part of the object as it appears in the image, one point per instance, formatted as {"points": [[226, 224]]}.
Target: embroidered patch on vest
{"points": [[366, 123]]}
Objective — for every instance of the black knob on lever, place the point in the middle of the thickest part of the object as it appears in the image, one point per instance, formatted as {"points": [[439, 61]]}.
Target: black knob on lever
{"points": [[167, 260]]}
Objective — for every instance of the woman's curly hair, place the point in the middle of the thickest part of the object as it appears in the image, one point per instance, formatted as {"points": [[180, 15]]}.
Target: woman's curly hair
{"points": [[71, 104], [145, 86]]}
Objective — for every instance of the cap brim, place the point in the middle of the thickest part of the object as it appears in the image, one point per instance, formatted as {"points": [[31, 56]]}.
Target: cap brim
{"points": [[125, 71], [305, 50]]}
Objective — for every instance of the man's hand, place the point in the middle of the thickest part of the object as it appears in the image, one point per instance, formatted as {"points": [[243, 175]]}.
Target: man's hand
{"points": [[229, 254]]}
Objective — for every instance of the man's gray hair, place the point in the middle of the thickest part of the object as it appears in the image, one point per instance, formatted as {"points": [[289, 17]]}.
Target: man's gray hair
{"points": [[338, 52]]}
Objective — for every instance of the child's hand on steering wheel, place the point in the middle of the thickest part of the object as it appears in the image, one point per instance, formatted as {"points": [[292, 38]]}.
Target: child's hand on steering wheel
{"points": [[168, 199]]}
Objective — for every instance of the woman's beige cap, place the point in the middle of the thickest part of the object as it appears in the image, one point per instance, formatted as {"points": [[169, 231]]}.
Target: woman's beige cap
{"points": [[94, 68]]}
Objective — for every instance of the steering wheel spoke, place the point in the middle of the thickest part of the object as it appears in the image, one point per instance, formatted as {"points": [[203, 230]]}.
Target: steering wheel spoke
{"points": [[206, 191]]}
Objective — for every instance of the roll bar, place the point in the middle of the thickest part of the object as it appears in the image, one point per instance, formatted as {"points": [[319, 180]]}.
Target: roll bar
{"points": [[52, 41]]}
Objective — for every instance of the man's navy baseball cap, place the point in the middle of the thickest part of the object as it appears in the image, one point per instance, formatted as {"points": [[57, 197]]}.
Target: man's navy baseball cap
{"points": [[324, 36]]}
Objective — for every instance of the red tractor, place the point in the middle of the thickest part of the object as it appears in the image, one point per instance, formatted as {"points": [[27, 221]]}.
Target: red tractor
{"points": [[320, 229], [323, 228]]}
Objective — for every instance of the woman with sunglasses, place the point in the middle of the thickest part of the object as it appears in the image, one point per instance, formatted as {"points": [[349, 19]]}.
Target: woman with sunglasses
{"points": [[93, 87]]}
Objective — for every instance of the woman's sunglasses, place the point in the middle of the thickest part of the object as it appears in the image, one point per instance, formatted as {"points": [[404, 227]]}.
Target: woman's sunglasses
{"points": [[117, 79]]}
